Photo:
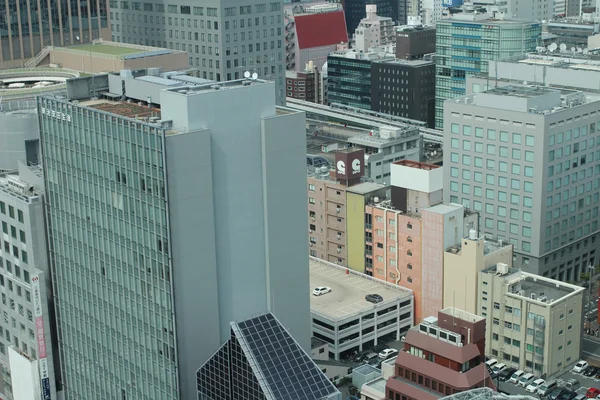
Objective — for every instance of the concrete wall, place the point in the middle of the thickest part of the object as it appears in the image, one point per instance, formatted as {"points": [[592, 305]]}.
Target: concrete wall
{"points": [[417, 179], [355, 223], [190, 197], [15, 128], [284, 191], [168, 62], [318, 55]]}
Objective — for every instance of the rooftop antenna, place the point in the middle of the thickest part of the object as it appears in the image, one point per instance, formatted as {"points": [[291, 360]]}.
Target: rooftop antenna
{"points": [[254, 76], [553, 47], [563, 47], [247, 74]]}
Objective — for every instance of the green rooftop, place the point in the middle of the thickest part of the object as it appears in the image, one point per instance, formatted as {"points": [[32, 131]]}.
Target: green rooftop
{"points": [[105, 49]]}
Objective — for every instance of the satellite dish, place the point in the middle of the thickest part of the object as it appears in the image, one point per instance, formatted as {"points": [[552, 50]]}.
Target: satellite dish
{"points": [[573, 49], [255, 76], [247, 74], [563, 47], [553, 47], [76, 37], [585, 51], [579, 50]]}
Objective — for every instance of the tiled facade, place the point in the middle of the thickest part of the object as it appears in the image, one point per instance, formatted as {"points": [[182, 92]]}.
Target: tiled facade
{"points": [[327, 220]]}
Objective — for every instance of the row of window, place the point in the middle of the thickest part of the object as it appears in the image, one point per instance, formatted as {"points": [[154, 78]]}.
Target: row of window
{"points": [[11, 212], [503, 136]]}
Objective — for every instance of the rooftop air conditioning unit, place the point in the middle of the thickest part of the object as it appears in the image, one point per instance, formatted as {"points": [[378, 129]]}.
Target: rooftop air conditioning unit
{"points": [[533, 296]]}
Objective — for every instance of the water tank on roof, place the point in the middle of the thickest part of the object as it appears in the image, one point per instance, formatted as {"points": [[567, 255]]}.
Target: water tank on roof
{"points": [[472, 234]]}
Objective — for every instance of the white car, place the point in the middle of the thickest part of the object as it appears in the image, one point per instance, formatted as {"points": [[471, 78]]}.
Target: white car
{"points": [[580, 367], [387, 353], [533, 386], [516, 376], [525, 380], [319, 290]]}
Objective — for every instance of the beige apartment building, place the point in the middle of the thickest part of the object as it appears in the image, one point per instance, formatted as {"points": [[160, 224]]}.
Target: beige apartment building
{"points": [[462, 265], [533, 323], [327, 219]]}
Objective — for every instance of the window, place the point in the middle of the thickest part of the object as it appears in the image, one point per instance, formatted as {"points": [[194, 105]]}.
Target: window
{"points": [[516, 138]]}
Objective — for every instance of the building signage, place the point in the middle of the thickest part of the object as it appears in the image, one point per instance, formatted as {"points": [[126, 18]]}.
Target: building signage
{"points": [[452, 3], [41, 337], [56, 114], [349, 165]]}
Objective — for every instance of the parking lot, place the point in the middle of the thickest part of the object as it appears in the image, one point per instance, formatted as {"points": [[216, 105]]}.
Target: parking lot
{"points": [[584, 381]]}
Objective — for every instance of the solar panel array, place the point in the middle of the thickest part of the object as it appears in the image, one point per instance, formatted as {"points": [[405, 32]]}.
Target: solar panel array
{"points": [[289, 371]]}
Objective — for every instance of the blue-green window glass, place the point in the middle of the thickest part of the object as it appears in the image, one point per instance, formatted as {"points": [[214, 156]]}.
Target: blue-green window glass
{"points": [[502, 181], [454, 143], [504, 136], [489, 194], [491, 134], [478, 177], [501, 196], [503, 166], [466, 174], [453, 186], [478, 132], [454, 172], [529, 141], [501, 211], [455, 128], [466, 130], [516, 138], [516, 154]]}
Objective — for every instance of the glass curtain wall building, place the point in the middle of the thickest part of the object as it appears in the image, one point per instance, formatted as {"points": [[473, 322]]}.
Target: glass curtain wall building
{"points": [[464, 45], [26, 27], [154, 250], [349, 79]]}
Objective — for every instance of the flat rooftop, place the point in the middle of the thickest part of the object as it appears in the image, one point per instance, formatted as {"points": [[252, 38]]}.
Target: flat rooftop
{"points": [[365, 187], [409, 133], [378, 384], [106, 49], [461, 314], [123, 108], [417, 165], [524, 284], [520, 91], [348, 291]]}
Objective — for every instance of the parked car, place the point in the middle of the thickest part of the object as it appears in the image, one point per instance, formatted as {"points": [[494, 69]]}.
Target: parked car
{"points": [[369, 357], [592, 393], [590, 371], [320, 290], [526, 379], [580, 397], [498, 367], [491, 362], [506, 373], [567, 395], [374, 298], [516, 376], [547, 387], [580, 366], [387, 353], [572, 384], [556, 392], [533, 386]]}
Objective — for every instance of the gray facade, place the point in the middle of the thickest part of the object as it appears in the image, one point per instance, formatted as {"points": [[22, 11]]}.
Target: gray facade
{"points": [[223, 39], [27, 361], [530, 171], [200, 205]]}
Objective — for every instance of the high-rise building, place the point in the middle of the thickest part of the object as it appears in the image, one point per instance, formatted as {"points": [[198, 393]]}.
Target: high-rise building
{"points": [[29, 27], [28, 355], [534, 323], [223, 40], [465, 43], [441, 356], [529, 170], [413, 42], [178, 217], [355, 11], [373, 30], [303, 85]]}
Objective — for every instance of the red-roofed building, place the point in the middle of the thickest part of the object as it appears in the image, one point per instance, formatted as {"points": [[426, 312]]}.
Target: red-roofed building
{"points": [[441, 356], [312, 31]]}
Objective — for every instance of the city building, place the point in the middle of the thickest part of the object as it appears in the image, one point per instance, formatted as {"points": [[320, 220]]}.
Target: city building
{"points": [[573, 33], [354, 11], [304, 85], [261, 360], [138, 236], [534, 323], [386, 145], [312, 31], [349, 77], [220, 38], [412, 94], [28, 353], [523, 156], [103, 56], [345, 320], [441, 356], [431, 11], [459, 37], [25, 32], [373, 31], [485, 393], [402, 237], [413, 42], [19, 135], [462, 265]]}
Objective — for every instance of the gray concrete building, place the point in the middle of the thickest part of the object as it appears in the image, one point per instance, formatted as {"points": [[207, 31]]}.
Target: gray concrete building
{"points": [[223, 40], [526, 158], [345, 320], [180, 218], [28, 353]]}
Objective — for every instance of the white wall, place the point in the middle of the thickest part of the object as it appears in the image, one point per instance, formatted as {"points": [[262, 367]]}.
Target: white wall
{"points": [[24, 377], [417, 179]]}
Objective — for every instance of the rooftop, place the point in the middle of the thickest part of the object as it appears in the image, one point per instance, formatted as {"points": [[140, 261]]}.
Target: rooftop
{"points": [[461, 314], [485, 394], [365, 187], [408, 133], [123, 108], [568, 59], [408, 63], [348, 291], [321, 29], [417, 165], [316, 342], [377, 384], [533, 287], [106, 49]]}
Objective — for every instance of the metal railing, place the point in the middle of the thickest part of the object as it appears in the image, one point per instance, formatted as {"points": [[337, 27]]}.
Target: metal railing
{"points": [[33, 62]]}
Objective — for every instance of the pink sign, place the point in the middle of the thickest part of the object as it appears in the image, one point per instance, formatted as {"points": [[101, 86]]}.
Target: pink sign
{"points": [[39, 326]]}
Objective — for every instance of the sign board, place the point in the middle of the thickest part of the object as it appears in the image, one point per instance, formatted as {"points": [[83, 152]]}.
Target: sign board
{"points": [[56, 115], [41, 337], [452, 3], [46, 388], [349, 165]]}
